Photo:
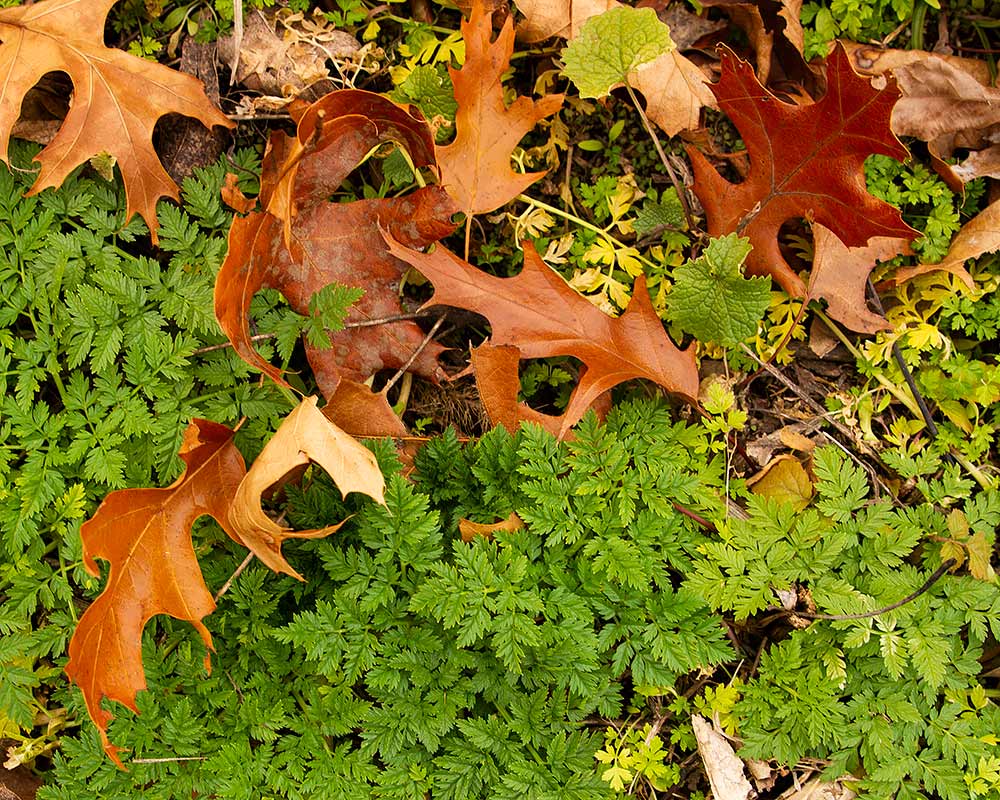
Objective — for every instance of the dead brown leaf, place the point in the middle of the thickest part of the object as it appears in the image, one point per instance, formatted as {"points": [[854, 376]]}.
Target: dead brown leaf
{"points": [[305, 436], [723, 767], [839, 275], [470, 530]]}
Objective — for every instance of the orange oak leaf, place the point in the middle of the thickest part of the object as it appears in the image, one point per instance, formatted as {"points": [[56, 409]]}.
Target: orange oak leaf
{"points": [[305, 436], [806, 161], [145, 534], [475, 167], [543, 316], [301, 242], [498, 383], [117, 97]]}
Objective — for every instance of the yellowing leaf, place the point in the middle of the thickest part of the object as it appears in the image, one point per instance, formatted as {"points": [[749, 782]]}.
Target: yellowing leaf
{"points": [[306, 436], [980, 550], [470, 530], [784, 480]]}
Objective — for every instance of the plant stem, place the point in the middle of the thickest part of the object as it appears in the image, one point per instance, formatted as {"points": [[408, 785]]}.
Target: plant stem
{"points": [[975, 472], [886, 384], [674, 179], [583, 224]]}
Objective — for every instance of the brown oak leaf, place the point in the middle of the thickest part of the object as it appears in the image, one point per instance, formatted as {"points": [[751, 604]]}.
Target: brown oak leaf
{"points": [[539, 312], [117, 97], [475, 167], [301, 242], [498, 383], [807, 161], [305, 436], [145, 534], [840, 273]]}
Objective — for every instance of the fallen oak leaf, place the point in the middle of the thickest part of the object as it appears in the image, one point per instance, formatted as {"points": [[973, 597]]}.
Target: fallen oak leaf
{"points": [[806, 162], [475, 167], [498, 383], [145, 535], [542, 315], [305, 436], [300, 242], [117, 98], [469, 530]]}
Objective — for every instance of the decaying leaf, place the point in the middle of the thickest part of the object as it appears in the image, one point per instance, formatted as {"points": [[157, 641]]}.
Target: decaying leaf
{"points": [[283, 54], [723, 767], [839, 274], [775, 33], [674, 87], [470, 530], [498, 383], [145, 534], [538, 312], [117, 97], [806, 162], [301, 242], [475, 167], [947, 101], [784, 479], [305, 436]]}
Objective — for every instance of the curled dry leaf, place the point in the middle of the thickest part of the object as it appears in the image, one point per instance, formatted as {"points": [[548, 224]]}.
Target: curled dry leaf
{"points": [[948, 102], [305, 436], [117, 97], [723, 767], [539, 313], [145, 534], [301, 242], [470, 530], [475, 167], [284, 54], [980, 235], [807, 161]]}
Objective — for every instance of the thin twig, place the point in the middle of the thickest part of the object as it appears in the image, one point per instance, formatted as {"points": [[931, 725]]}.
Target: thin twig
{"points": [[234, 576], [366, 323], [815, 407], [674, 179], [897, 354], [940, 571], [413, 356]]}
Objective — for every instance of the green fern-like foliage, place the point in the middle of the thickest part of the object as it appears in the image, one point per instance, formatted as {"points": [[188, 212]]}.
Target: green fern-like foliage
{"points": [[884, 697]]}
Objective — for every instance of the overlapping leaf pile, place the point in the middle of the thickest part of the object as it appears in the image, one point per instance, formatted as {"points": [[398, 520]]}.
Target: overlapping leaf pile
{"points": [[806, 161]]}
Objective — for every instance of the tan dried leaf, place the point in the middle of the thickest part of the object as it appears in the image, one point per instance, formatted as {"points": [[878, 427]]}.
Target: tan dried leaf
{"points": [[305, 436], [470, 530]]}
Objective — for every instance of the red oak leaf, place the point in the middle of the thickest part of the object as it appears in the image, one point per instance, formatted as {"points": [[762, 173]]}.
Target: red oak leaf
{"points": [[807, 161]]}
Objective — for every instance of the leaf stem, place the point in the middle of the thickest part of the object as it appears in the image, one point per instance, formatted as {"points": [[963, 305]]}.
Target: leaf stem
{"points": [[674, 179], [583, 224], [974, 471]]}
